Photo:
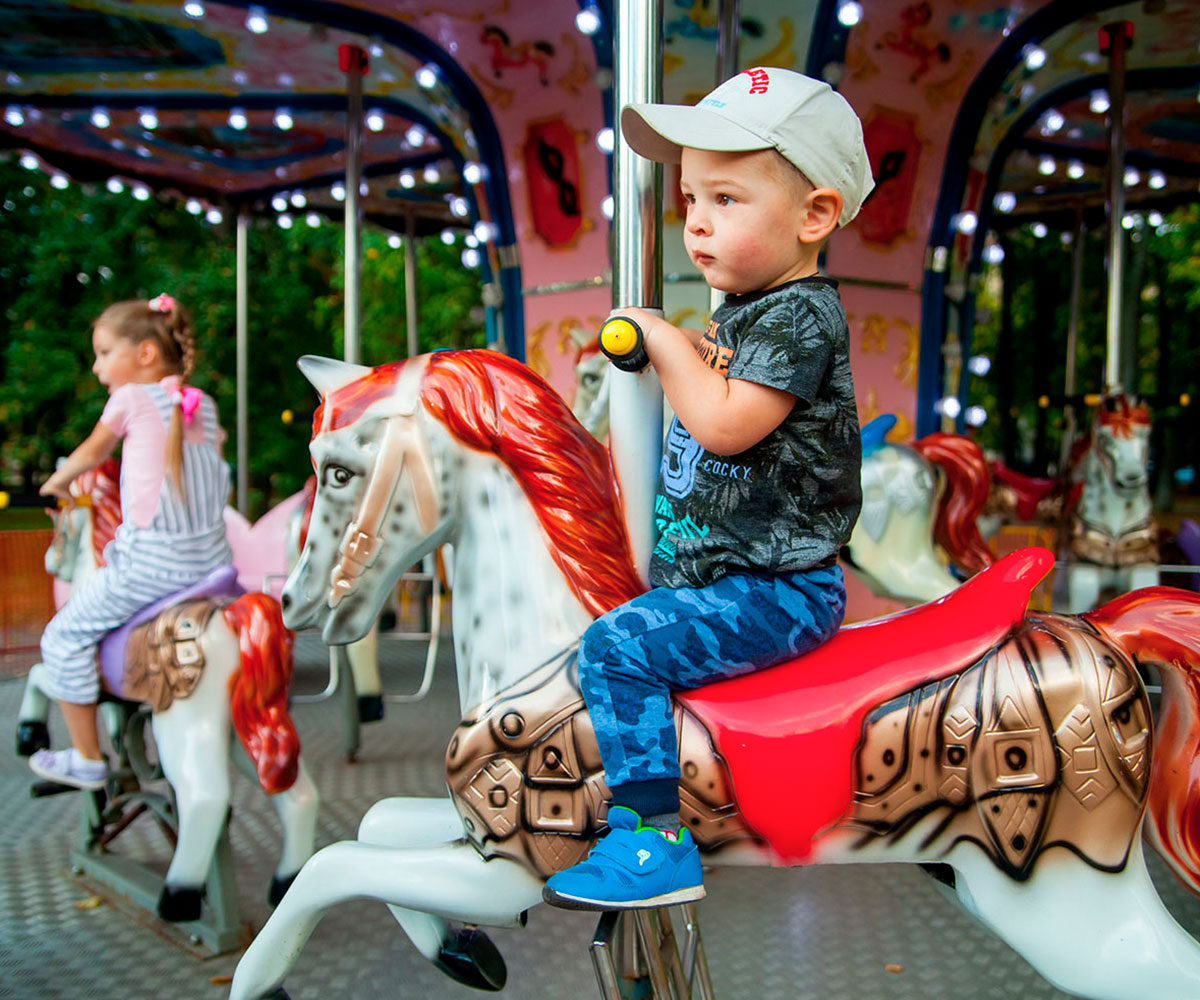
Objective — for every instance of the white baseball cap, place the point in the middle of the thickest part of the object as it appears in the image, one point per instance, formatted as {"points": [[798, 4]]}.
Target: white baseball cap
{"points": [[807, 121]]}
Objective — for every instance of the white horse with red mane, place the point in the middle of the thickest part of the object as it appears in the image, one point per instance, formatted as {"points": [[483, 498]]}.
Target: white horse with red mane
{"points": [[1113, 540], [1012, 748], [210, 661]]}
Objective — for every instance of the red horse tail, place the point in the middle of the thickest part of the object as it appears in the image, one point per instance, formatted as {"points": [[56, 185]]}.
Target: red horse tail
{"points": [[258, 691], [1161, 625], [967, 482]]}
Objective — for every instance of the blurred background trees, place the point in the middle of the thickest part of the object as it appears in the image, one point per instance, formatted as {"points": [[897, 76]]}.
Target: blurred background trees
{"points": [[1023, 306], [66, 254]]}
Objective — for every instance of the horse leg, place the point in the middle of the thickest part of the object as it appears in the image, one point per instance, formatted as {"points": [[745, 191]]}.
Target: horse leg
{"points": [[193, 737], [465, 954], [451, 881], [297, 811], [1143, 575], [1083, 588], [363, 656], [1100, 935], [33, 731]]}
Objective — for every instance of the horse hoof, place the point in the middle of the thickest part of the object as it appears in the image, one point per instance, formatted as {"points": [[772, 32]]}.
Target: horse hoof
{"points": [[279, 886], [469, 957], [370, 707], [33, 736], [179, 905]]}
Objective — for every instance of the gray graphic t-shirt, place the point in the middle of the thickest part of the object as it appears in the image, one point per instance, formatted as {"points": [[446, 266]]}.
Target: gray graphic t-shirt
{"points": [[790, 502]]}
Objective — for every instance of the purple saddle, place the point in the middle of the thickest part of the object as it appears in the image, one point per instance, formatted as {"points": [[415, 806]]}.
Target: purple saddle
{"points": [[221, 582], [1188, 541]]}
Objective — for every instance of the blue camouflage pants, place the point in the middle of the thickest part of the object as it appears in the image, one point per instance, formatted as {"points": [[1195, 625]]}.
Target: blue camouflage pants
{"points": [[632, 658]]}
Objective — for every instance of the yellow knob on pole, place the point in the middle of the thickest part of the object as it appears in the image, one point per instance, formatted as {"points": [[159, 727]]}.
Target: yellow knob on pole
{"points": [[621, 341]]}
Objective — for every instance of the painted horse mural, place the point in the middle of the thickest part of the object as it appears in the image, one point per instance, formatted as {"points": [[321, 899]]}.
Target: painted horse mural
{"points": [[1014, 749], [209, 661]]}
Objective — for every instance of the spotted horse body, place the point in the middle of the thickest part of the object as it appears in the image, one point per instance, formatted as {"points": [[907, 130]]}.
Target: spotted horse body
{"points": [[1015, 749]]}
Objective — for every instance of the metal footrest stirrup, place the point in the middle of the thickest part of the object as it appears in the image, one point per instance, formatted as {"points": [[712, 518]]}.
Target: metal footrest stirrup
{"points": [[635, 949]]}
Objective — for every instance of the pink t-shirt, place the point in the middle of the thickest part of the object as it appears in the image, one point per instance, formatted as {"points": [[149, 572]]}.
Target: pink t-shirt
{"points": [[131, 415]]}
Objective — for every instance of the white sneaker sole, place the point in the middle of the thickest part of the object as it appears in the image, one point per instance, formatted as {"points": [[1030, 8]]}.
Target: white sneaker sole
{"points": [[87, 785], [688, 894]]}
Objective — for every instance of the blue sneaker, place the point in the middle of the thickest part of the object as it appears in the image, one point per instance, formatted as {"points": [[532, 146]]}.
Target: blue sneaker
{"points": [[631, 867]]}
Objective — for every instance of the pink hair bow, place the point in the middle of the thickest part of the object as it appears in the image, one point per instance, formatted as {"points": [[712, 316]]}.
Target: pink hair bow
{"points": [[188, 399], [162, 304]]}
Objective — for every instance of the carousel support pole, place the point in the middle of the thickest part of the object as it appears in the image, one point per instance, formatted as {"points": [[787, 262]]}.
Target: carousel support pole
{"points": [[242, 313], [635, 407], [410, 282], [353, 62], [1070, 425], [729, 17], [1115, 38]]}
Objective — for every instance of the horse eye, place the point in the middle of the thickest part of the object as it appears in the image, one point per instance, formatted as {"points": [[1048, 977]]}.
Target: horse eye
{"points": [[337, 475]]}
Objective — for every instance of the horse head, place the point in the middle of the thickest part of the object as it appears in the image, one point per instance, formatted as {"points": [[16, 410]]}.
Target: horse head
{"points": [[590, 405], [377, 509], [62, 557], [94, 509], [1121, 442]]}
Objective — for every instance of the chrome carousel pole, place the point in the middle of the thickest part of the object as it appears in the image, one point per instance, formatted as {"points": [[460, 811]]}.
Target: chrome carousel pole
{"points": [[242, 320], [353, 62], [1115, 38], [635, 405]]}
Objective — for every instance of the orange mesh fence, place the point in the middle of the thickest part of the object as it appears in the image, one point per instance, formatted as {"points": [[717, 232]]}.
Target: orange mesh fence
{"points": [[26, 597]]}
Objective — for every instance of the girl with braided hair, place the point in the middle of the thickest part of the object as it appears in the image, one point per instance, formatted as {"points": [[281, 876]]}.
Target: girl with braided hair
{"points": [[174, 486]]}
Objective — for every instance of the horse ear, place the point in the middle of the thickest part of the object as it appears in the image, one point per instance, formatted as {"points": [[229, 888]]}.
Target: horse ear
{"points": [[327, 374]]}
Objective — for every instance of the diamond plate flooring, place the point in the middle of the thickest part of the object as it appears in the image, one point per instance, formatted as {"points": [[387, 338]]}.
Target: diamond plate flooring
{"points": [[883, 932]]}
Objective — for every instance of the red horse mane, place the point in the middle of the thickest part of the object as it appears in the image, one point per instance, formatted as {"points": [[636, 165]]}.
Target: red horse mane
{"points": [[1121, 415], [966, 472], [495, 404]]}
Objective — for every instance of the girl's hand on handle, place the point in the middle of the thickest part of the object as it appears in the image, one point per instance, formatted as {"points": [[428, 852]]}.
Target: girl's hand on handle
{"points": [[55, 487]]}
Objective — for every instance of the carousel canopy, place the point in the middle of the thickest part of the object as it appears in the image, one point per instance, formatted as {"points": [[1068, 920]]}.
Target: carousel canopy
{"points": [[238, 103]]}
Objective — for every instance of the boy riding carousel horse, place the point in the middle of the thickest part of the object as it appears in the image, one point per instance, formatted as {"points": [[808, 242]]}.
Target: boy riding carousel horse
{"points": [[759, 487]]}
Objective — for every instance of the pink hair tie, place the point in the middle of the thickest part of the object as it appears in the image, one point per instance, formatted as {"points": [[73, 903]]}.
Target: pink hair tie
{"points": [[162, 304], [188, 399]]}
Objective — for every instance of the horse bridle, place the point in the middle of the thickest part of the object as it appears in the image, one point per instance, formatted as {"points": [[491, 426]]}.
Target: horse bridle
{"points": [[402, 446]]}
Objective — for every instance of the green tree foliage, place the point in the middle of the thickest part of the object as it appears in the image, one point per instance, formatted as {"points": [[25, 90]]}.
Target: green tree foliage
{"points": [[1022, 322], [69, 253]]}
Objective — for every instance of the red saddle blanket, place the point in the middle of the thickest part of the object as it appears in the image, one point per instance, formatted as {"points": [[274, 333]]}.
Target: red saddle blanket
{"points": [[788, 733]]}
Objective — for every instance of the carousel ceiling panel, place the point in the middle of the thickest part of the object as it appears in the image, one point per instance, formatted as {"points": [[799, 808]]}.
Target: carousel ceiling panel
{"points": [[218, 93], [1048, 120]]}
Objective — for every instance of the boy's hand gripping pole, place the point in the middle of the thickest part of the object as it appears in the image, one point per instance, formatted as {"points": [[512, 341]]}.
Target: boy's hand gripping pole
{"points": [[622, 343]]}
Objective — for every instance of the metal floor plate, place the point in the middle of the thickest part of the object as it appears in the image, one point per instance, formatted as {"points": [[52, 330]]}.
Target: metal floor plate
{"points": [[884, 932]]}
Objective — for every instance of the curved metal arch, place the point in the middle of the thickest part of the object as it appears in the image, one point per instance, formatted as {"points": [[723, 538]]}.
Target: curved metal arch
{"points": [[483, 125], [1039, 25], [1139, 79]]}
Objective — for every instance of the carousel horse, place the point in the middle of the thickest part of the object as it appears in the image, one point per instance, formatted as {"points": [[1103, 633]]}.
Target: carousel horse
{"points": [[919, 505], [1112, 537], [1012, 749], [1104, 502], [206, 660]]}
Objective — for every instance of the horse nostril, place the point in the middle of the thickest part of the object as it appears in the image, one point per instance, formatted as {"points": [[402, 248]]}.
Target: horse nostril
{"points": [[285, 602]]}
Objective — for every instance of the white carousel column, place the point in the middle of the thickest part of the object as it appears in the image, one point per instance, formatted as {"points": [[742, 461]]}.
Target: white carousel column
{"points": [[410, 282], [242, 313], [1115, 38], [353, 62], [635, 404]]}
